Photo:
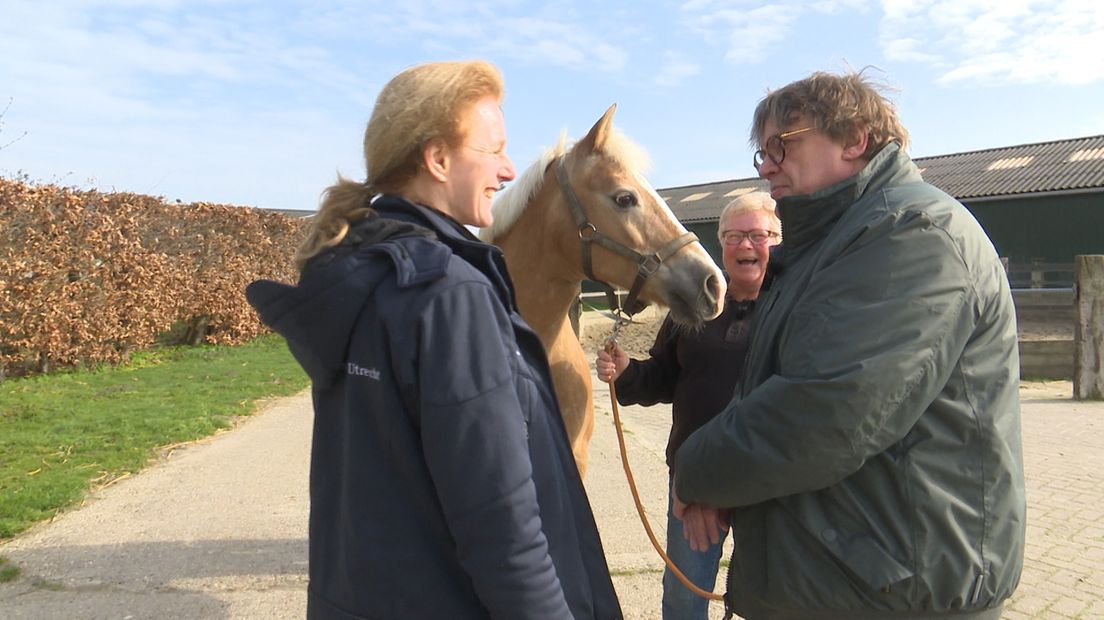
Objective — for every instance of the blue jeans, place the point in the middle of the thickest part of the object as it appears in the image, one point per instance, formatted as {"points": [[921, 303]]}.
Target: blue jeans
{"points": [[700, 567]]}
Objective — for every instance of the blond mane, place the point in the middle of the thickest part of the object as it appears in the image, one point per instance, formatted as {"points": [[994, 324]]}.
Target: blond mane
{"points": [[512, 201]]}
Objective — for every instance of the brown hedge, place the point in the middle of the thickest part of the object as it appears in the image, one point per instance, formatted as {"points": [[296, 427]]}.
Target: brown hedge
{"points": [[88, 277]]}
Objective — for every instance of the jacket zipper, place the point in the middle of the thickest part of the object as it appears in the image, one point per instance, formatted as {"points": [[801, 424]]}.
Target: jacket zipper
{"points": [[728, 611]]}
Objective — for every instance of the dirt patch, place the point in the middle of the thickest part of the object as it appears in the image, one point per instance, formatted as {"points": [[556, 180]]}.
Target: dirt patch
{"points": [[1046, 390], [1040, 330], [635, 338]]}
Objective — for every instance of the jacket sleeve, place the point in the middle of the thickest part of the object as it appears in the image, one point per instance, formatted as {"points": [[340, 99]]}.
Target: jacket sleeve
{"points": [[651, 381], [474, 435], [869, 345]]}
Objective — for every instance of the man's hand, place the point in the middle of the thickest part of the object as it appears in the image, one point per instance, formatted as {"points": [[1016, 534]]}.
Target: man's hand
{"points": [[701, 525]]}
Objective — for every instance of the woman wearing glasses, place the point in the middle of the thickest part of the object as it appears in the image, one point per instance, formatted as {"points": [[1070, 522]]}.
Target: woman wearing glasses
{"points": [[696, 371]]}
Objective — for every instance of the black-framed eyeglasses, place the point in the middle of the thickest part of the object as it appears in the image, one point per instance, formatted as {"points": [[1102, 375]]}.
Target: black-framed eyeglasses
{"points": [[775, 148], [757, 236]]}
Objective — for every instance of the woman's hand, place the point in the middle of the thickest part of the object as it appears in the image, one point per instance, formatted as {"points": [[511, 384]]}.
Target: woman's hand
{"points": [[611, 362]]}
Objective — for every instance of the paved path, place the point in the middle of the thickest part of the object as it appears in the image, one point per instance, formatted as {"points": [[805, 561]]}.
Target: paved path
{"points": [[218, 530]]}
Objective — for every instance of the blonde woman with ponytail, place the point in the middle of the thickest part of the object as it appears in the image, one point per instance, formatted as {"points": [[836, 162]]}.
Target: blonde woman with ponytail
{"points": [[442, 481]]}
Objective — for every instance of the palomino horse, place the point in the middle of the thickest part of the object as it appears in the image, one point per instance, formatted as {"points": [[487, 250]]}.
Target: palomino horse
{"points": [[544, 240]]}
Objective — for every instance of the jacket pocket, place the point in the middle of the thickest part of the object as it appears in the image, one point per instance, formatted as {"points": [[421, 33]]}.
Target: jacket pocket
{"points": [[864, 555]]}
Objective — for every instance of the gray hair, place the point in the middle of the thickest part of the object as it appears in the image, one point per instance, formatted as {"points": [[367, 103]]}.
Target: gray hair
{"points": [[750, 203]]}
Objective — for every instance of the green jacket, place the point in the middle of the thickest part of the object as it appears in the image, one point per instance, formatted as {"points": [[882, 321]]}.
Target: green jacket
{"points": [[872, 452]]}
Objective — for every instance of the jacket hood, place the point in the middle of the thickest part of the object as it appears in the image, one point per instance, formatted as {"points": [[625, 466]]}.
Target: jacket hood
{"points": [[317, 315]]}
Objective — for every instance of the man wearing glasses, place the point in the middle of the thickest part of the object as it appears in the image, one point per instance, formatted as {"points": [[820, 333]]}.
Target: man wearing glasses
{"points": [[696, 371], [870, 459]]}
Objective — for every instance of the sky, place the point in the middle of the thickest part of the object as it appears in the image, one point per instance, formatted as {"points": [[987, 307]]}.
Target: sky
{"points": [[263, 103]]}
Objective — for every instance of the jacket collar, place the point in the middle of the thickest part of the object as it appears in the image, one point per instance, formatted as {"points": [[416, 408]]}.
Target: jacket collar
{"points": [[448, 230], [485, 257], [808, 218]]}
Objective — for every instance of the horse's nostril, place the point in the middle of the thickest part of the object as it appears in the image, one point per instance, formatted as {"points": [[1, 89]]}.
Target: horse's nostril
{"points": [[708, 300], [713, 286]]}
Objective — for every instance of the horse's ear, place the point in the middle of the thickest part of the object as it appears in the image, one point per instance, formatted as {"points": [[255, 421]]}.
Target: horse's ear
{"points": [[595, 140]]}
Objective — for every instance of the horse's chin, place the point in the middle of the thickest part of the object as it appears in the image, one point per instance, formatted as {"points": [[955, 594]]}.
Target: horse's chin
{"points": [[685, 319], [696, 312], [693, 307]]}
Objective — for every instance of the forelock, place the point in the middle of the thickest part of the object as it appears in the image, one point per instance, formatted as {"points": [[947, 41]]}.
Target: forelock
{"points": [[627, 153]]}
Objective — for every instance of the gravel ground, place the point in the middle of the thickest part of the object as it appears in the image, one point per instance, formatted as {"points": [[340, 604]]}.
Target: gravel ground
{"points": [[217, 529]]}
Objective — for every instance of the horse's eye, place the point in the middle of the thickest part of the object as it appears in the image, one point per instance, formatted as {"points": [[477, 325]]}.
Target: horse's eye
{"points": [[625, 200]]}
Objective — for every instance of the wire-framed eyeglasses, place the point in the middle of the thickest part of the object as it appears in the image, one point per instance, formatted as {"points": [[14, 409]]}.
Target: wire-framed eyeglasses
{"points": [[775, 148], [757, 236]]}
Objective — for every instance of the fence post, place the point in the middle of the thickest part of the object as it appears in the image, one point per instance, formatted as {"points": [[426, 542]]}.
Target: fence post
{"points": [[1088, 331], [1037, 277]]}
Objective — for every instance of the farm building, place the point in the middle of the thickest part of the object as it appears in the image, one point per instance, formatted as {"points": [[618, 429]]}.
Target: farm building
{"points": [[1042, 204], [297, 213]]}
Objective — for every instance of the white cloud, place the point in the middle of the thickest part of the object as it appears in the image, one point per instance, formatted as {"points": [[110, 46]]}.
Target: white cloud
{"points": [[981, 41], [543, 41], [909, 50], [838, 6], [755, 33], [174, 97], [752, 31], [549, 36], [747, 34], [173, 57], [998, 41], [674, 70]]}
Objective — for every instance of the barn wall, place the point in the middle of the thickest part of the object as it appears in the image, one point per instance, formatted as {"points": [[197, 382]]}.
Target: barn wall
{"points": [[707, 235], [1048, 228]]}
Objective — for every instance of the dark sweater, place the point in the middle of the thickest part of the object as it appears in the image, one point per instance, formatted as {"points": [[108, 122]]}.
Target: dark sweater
{"points": [[694, 370]]}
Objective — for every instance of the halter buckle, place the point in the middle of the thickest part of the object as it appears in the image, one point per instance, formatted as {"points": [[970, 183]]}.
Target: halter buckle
{"points": [[649, 264]]}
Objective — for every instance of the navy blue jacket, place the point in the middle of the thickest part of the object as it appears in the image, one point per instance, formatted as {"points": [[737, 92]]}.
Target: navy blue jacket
{"points": [[442, 481]]}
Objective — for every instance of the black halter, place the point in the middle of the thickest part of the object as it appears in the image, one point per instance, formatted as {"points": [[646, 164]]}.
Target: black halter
{"points": [[647, 264]]}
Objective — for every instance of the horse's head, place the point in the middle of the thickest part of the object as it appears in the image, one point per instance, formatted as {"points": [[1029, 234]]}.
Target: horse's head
{"points": [[604, 172]]}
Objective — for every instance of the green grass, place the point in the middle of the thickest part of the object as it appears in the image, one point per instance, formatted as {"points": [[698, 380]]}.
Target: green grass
{"points": [[632, 572], [62, 434], [8, 572]]}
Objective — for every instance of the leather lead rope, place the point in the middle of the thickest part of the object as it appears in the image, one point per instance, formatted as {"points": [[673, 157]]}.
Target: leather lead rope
{"points": [[712, 596]]}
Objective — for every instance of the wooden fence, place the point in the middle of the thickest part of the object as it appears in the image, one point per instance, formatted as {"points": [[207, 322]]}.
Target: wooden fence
{"points": [[1053, 310], [1040, 275], [1063, 315], [1049, 309]]}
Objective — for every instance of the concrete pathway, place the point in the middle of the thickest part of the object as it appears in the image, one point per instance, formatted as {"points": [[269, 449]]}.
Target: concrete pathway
{"points": [[218, 530]]}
